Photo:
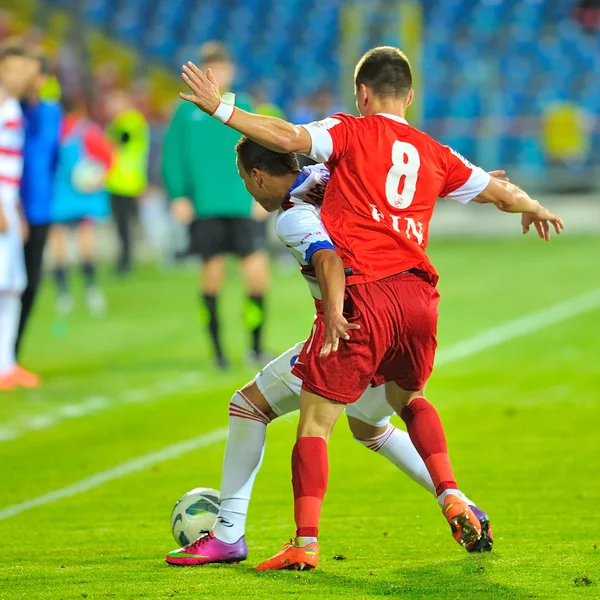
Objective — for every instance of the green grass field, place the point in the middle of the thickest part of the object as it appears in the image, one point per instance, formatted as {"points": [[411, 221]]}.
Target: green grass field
{"points": [[522, 419]]}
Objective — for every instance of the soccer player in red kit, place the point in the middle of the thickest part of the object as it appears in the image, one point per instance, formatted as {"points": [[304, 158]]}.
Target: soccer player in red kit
{"points": [[385, 179]]}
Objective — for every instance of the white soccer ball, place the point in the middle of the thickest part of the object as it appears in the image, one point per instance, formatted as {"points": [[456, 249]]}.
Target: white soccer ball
{"points": [[194, 514], [88, 176]]}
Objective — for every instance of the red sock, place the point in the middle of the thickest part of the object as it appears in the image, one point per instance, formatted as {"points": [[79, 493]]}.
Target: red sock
{"points": [[427, 434], [310, 471]]}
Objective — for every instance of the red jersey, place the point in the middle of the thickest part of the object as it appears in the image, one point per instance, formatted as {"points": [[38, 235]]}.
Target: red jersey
{"points": [[385, 179]]}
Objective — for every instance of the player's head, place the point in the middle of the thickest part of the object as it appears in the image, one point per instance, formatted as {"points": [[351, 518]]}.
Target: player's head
{"points": [[216, 57], [267, 175], [42, 72], [382, 76], [117, 102], [17, 68]]}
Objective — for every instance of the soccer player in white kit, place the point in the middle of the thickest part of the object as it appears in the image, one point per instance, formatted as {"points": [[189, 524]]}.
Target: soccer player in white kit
{"points": [[16, 69], [277, 183]]}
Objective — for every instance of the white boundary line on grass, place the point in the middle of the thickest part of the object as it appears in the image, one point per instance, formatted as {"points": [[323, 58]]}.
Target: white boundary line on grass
{"points": [[469, 347], [22, 424]]}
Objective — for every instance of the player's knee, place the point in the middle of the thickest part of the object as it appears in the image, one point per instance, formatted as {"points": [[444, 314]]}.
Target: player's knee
{"points": [[364, 431], [253, 400], [315, 428], [398, 398]]}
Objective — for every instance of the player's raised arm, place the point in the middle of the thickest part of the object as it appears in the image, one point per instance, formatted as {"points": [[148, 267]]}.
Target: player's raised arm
{"points": [[271, 132], [509, 198]]}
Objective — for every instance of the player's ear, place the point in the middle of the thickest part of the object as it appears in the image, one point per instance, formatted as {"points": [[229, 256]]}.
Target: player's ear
{"points": [[363, 94], [258, 177], [410, 98]]}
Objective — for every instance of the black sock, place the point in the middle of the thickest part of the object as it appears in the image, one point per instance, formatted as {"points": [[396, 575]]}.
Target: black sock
{"points": [[88, 270], [210, 304], [60, 277], [254, 317]]}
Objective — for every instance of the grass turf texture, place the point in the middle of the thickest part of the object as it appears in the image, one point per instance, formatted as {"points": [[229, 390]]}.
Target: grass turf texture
{"points": [[522, 423]]}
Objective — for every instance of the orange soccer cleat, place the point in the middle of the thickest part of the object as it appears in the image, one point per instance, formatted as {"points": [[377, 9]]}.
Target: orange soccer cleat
{"points": [[466, 528], [8, 382], [293, 558], [25, 378]]}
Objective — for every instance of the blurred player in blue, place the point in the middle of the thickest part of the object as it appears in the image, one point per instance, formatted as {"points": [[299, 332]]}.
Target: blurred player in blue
{"points": [[42, 132]]}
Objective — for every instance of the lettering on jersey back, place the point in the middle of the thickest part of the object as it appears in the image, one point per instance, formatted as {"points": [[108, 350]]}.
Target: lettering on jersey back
{"points": [[404, 225], [317, 192]]}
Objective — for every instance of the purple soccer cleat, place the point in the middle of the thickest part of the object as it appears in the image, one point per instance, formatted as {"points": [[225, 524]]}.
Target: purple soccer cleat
{"points": [[208, 549], [486, 542]]}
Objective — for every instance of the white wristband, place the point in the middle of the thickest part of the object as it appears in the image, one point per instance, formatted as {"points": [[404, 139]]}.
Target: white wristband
{"points": [[224, 112]]}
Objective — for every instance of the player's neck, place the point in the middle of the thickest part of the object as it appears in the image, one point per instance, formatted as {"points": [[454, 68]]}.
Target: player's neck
{"points": [[388, 107], [285, 182]]}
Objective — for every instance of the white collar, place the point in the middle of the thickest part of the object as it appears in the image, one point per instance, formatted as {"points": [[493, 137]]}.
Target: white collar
{"points": [[393, 117]]}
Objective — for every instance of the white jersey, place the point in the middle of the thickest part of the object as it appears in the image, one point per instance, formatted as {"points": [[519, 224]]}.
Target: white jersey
{"points": [[298, 224], [11, 150]]}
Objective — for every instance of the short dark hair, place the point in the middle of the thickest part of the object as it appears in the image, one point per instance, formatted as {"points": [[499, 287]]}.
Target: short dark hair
{"points": [[385, 70], [254, 156], [212, 52], [9, 51]]}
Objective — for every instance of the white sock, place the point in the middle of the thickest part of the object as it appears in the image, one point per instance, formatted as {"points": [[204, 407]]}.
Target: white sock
{"points": [[396, 446], [243, 457], [10, 311], [442, 497]]}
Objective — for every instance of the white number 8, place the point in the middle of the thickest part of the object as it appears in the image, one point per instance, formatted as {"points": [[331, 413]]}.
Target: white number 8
{"points": [[406, 162]]}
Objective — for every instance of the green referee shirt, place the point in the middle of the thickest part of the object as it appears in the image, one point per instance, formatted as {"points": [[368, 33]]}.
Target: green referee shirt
{"points": [[199, 163]]}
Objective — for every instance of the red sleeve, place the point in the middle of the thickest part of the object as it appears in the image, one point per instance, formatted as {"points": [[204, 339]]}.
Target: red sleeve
{"points": [[463, 181], [98, 146]]}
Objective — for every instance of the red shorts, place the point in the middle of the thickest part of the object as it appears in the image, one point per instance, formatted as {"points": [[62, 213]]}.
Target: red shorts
{"points": [[396, 340]]}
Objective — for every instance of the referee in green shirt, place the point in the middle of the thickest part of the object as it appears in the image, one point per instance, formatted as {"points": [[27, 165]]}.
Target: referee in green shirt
{"points": [[200, 174]]}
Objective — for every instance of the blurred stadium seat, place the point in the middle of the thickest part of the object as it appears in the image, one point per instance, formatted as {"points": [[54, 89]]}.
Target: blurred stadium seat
{"points": [[532, 52]]}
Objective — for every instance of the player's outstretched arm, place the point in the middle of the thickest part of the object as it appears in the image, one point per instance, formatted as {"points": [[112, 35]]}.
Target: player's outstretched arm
{"points": [[271, 132], [330, 275], [509, 198]]}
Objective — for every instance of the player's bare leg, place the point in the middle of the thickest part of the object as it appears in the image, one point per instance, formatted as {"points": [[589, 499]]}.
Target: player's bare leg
{"points": [[469, 524], [318, 417]]}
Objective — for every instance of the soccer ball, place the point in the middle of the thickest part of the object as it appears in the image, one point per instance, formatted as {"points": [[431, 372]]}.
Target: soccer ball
{"points": [[88, 176], [194, 514]]}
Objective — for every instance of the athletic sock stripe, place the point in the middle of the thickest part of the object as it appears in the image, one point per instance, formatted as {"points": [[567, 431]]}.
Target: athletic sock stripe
{"points": [[378, 442], [246, 416], [254, 407], [244, 412]]}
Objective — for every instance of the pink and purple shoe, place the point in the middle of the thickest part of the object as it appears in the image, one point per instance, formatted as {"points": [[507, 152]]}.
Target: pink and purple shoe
{"points": [[208, 549], [486, 542]]}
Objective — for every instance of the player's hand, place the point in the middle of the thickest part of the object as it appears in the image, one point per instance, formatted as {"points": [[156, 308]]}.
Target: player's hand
{"points": [[336, 328], [499, 174], [542, 221], [205, 89], [183, 210]]}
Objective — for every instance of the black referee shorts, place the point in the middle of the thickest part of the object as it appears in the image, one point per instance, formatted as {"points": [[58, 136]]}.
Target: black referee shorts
{"points": [[221, 235]]}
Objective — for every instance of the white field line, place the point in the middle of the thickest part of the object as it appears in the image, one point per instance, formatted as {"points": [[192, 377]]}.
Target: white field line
{"points": [[122, 470], [469, 347], [519, 327], [23, 424]]}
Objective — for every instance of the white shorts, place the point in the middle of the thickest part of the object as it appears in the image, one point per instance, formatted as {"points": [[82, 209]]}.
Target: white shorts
{"points": [[13, 277], [281, 390]]}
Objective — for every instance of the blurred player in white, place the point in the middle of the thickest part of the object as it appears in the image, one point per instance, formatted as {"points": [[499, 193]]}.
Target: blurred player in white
{"points": [[16, 69], [277, 183]]}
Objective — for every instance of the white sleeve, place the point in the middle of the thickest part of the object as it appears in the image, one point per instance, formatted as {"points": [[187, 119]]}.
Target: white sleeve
{"points": [[300, 228], [322, 142], [476, 183]]}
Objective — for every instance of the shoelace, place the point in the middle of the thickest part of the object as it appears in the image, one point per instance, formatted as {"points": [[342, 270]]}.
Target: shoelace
{"points": [[199, 542]]}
